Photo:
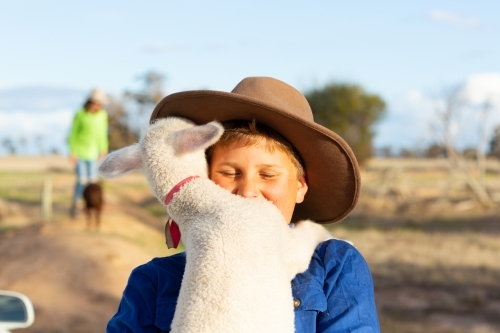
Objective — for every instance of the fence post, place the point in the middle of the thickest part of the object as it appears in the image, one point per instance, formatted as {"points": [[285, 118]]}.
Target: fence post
{"points": [[47, 200]]}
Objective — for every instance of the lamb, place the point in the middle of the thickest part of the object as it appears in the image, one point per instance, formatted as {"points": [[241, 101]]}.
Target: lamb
{"points": [[240, 253]]}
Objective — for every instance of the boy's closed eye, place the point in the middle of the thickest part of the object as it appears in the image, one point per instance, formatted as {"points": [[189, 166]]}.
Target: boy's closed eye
{"points": [[229, 173], [268, 175]]}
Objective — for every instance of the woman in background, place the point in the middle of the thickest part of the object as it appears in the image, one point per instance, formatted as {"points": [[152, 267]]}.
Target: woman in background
{"points": [[88, 142]]}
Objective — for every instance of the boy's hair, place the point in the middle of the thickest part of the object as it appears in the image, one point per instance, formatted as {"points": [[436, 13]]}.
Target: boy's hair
{"points": [[250, 133]]}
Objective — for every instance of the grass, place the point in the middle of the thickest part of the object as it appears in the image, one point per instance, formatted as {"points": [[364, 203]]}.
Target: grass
{"points": [[25, 188], [444, 268], [153, 245], [6, 228], [156, 209]]}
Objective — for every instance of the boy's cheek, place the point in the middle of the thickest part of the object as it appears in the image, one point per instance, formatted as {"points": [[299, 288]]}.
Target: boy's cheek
{"points": [[223, 182]]}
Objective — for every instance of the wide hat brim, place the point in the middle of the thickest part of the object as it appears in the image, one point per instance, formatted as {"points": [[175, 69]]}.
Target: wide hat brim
{"points": [[332, 171]]}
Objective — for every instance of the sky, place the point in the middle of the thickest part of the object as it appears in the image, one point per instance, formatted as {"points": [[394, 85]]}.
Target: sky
{"points": [[52, 53]]}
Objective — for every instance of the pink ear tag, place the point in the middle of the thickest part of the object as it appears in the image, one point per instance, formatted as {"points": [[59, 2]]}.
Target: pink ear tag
{"points": [[172, 234]]}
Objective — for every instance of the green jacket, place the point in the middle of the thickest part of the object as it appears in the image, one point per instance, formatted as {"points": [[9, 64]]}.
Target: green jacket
{"points": [[88, 137]]}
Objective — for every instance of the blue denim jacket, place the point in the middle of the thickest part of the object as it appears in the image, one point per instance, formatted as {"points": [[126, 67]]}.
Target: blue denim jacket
{"points": [[335, 294]]}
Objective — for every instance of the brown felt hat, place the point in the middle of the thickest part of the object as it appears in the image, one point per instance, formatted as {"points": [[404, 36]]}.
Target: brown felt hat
{"points": [[331, 168]]}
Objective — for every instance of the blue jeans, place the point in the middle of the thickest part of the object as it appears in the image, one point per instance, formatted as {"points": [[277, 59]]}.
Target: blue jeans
{"points": [[86, 172]]}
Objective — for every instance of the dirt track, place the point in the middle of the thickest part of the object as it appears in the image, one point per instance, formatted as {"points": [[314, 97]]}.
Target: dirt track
{"points": [[75, 277]]}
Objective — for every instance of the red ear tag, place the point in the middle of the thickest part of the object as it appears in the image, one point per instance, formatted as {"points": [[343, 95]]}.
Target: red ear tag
{"points": [[172, 234]]}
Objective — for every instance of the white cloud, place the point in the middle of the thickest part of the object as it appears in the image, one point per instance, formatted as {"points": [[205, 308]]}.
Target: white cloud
{"points": [[483, 87], [411, 115], [453, 19], [482, 91], [407, 123], [47, 129], [39, 116]]}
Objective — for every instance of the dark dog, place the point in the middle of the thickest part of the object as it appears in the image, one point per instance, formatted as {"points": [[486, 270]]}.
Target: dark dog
{"points": [[92, 194]]}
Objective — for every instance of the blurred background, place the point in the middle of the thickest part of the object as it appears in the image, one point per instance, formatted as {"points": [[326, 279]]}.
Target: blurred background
{"points": [[414, 88]]}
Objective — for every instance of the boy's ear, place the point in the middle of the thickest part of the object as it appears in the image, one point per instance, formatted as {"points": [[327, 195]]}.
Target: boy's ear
{"points": [[121, 161], [197, 138], [301, 189]]}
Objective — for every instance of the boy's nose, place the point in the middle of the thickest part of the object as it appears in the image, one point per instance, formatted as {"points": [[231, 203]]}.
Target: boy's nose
{"points": [[247, 189]]}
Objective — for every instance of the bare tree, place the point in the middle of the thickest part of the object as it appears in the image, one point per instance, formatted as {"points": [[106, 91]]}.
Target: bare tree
{"points": [[23, 143], [8, 144], [485, 110], [448, 110], [121, 133], [132, 110], [39, 140], [494, 145], [146, 98]]}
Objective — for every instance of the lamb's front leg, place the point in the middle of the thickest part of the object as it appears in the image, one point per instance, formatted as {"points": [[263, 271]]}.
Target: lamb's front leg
{"points": [[304, 237]]}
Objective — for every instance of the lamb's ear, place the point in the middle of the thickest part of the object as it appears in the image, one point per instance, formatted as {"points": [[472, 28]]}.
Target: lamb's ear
{"points": [[198, 137], [121, 161]]}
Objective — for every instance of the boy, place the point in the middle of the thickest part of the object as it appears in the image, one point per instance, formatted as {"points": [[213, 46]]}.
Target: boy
{"points": [[271, 148]]}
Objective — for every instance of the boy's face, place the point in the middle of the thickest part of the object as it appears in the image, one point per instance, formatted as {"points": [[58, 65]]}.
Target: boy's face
{"points": [[253, 171]]}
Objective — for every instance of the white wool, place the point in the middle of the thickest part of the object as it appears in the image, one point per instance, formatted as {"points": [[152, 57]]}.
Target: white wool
{"points": [[240, 253]]}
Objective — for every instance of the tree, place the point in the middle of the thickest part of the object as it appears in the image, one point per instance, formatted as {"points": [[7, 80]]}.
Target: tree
{"points": [[407, 153], [120, 131], [8, 144], [494, 146], [141, 103], [39, 142], [350, 112], [153, 89], [385, 152], [130, 113], [435, 151], [448, 110]]}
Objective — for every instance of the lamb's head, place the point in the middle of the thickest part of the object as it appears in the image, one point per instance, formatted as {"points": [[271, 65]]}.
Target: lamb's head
{"points": [[170, 150]]}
